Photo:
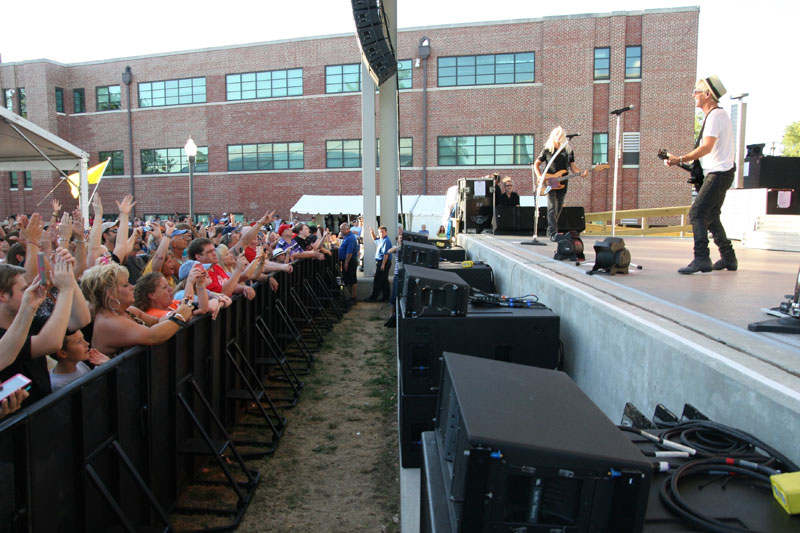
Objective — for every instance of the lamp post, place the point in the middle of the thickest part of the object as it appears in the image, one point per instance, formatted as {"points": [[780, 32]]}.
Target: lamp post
{"points": [[191, 153], [127, 78]]}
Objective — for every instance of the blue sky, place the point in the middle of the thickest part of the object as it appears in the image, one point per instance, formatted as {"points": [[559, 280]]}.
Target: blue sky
{"points": [[749, 47]]}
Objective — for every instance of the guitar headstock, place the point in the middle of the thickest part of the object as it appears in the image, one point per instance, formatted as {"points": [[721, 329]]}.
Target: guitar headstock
{"points": [[662, 154]]}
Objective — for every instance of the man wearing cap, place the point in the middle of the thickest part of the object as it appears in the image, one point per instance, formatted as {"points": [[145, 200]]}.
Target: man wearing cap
{"points": [[285, 243], [716, 154], [177, 246]]}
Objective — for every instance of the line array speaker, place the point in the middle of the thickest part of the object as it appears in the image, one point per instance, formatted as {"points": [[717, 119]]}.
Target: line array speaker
{"points": [[376, 46]]}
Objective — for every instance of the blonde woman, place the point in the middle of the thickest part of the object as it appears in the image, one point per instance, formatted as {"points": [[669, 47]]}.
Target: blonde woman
{"points": [[117, 324], [565, 160]]}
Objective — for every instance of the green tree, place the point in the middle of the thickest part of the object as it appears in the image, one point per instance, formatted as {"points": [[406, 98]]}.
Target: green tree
{"points": [[698, 122], [791, 140]]}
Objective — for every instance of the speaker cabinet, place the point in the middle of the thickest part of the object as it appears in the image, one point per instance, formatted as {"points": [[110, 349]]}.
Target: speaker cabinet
{"points": [[373, 37], [454, 253], [475, 209], [517, 335], [430, 292], [571, 219], [416, 413], [413, 236], [549, 457], [479, 276], [418, 254]]}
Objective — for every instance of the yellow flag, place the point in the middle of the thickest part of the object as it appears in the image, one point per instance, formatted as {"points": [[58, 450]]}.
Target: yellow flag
{"points": [[94, 175]]}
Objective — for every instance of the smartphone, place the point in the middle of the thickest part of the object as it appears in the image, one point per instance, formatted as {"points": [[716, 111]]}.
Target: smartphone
{"points": [[12, 385], [42, 273]]}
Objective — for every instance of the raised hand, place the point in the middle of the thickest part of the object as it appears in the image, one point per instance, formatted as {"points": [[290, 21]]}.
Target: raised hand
{"points": [[32, 230], [126, 205], [56, 206], [77, 223], [65, 228], [33, 295], [97, 358], [97, 206], [63, 278]]}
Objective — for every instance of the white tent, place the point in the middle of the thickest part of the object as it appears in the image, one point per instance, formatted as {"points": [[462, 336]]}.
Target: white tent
{"points": [[25, 146], [418, 209]]}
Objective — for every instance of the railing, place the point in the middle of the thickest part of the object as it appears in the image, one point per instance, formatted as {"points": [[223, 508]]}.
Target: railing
{"points": [[110, 450], [600, 223]]}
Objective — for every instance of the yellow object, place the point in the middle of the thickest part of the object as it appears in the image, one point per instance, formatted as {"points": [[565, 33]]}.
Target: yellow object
{"points": [[786, 489], [467, 264], [93, 175], [440, 244]]}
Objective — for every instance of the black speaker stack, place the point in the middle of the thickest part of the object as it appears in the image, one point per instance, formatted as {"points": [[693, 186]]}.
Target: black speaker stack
{"points": [[518, 448], [373, 37], [475, 208], [434, 316]]}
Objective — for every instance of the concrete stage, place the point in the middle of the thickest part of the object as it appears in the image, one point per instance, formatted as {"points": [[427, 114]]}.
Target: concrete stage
{"points": [[656, 336]]}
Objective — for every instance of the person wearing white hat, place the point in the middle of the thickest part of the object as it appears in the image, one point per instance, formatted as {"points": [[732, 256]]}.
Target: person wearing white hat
{"points": [[716, 154]]}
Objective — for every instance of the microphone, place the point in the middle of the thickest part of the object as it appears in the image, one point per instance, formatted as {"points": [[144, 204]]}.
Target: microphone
{"points": [[621, 110], [571, 135]]}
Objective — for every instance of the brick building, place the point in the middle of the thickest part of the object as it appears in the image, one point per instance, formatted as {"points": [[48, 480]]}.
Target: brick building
{"points": [[279, 119]]}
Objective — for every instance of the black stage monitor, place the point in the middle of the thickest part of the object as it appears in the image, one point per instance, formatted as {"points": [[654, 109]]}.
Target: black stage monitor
{"points": [[524, 449], [413, 236], [418, 254], [429, 292]]}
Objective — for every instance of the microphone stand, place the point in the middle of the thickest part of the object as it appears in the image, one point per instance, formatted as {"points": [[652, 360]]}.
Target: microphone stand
{"points": [[617, 157], [536, 184]]}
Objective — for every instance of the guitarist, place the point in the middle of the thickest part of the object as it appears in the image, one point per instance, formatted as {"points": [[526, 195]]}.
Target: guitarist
{"points": [[565, 160], [716, 154]]}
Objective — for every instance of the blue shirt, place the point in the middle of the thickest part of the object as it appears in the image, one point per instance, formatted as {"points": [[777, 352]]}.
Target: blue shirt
{"points": [[383, 244], [349, 246]]}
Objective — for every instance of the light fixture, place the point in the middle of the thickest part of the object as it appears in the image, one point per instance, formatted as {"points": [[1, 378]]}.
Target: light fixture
{"points": [[191, 152], [611, 256]]}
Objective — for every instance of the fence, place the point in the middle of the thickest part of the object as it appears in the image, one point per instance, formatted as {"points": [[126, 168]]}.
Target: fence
{"points": [[600, 222], [115, 449]]}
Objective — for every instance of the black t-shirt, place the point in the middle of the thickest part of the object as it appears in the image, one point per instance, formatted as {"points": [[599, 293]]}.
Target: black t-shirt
{"points": [[503, 199], [303, 244], [562, 162], [34, 369]]}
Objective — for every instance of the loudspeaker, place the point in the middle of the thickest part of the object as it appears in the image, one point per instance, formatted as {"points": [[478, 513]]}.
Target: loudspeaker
{"points": [[416, 413], [454, 253], [418, 254], [517, 335], [434, 516], [571, 219], [412, 236], [549, 457], [569, 246], [373, 37], [611, 256], [475, 208], [429, 292], [505, 218], [479, 276]]}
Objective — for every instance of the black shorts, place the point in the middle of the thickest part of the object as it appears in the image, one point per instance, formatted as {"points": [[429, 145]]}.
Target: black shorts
{"points": [[349, 275]]}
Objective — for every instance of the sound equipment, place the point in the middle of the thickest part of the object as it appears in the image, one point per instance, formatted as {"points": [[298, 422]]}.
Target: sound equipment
{"points": [[373, 37], [611, 256], [412, 236], [530, 438], [428, 292], [569, 247], [479, 276], [434, 516], [571, 219], [516, 335], [416, 413], [772, 172], [475, 208], [418, 254], [454, 253], [505, 218]]}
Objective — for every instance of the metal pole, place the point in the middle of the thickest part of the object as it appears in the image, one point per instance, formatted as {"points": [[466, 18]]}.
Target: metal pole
{"points": [[127, 77], [191, 188], [617, 156]]}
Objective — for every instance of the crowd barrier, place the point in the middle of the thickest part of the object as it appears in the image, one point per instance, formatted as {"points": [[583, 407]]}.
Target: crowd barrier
{"points": [[115, 449]]}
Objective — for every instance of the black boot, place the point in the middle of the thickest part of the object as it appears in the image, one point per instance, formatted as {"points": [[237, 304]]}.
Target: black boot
{"points": [[728, 261], [698, 265], [391, 322]]}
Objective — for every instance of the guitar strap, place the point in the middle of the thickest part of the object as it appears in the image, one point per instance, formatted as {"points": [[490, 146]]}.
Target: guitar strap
{"points": [[700, 135]]}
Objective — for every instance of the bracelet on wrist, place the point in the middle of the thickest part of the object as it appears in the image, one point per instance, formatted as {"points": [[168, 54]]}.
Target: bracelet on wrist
{"points": [[180, 321], [34, 244]]}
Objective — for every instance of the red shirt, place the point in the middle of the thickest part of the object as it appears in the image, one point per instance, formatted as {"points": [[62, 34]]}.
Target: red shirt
{"points": [[218, 278], [250, 253]]}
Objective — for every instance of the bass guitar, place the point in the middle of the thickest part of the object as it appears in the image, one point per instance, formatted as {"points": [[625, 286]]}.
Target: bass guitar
{"points": [[695, 169], [555, 181]]}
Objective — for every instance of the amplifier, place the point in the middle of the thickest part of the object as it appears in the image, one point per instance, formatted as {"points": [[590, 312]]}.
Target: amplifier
{"points": [[412, 236], [429, 292], [454, 253], [479, 275], [549, 456], [416, 413], [571, 219], [415, 253], [517, 335]]}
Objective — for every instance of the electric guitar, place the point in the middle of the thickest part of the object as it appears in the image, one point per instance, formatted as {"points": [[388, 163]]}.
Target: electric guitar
{"points": [[695, 169], [555, 181]]}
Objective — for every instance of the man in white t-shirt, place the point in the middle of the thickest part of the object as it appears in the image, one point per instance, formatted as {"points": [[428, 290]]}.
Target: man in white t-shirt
{"points": [[716, 155]]}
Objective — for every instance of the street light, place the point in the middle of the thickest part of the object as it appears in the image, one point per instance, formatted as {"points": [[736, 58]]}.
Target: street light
{"points": [[191, 153]]}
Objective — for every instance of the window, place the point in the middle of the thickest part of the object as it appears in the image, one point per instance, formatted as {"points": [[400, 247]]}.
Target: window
{"points": [[8, 99], [108, 98], [13, 181], [488, 150], [406, 152], [486, 69], [172, 92], [599, 148], [116, 167], [602, 63], [78, 101], [343, 154], [270, 84], [633, 62], [630, 149], [28, 181], [343, 78], [272, 156], [59, 100], [404, 74], [23, 102], [172, 160]]}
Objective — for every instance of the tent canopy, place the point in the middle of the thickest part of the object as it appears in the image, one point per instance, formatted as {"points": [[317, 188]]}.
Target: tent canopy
{"points": [[17, 154], [413, 204]]}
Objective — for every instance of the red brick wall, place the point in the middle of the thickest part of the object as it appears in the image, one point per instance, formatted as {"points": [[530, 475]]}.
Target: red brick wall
{"points": [[564, 94]]}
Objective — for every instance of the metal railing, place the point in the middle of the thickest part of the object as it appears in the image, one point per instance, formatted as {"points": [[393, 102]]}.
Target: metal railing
{"points": [[600, 223]]}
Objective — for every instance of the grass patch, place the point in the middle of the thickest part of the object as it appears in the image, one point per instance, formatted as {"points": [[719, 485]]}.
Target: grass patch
{"points": [[325, 449]]}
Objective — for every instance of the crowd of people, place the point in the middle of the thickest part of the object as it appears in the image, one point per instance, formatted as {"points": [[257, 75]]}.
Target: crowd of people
{"points": [[72, 299]]}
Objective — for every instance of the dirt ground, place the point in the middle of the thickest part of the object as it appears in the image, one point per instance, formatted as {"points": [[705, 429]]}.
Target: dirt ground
{"points": [[336, 467]]}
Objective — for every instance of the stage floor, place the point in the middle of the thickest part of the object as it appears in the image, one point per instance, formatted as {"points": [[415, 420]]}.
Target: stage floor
{"points": [[733, 299]]}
